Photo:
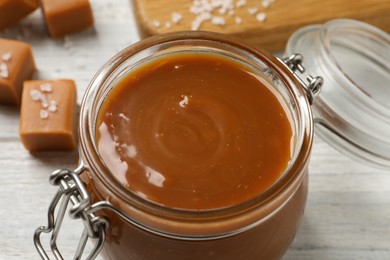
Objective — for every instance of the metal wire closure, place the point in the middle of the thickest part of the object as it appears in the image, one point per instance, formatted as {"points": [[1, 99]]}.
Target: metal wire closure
{"points": [[294, 64], [72, 189]]}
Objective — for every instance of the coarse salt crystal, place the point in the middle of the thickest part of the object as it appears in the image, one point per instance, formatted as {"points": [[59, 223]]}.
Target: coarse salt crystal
{"points": [[47, 87], [124, 117], [252, 10], [206, 6], [6, 56], [265, 3], [4, 73], [176, 17], [205, 16], [184, 102], [218, 20], [35, 94], [156, 24], [215, 3], [44, 102], [222, 11], [261, 17], [226, 6], [195, 25], [44, 114], [168, 25], [241, 3], [199, 7], [131, 151], [52, 107], [206, 10], [197, 22]]}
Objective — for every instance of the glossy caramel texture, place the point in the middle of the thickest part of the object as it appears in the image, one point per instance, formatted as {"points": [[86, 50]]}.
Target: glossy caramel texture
{"points": [[195, 131]]}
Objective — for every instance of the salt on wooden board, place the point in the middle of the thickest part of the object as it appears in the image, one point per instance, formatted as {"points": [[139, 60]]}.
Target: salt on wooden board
{"points": [[282, 17]]}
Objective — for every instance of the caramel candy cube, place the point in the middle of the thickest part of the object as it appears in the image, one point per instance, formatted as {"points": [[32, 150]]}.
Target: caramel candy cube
{"points": [[16, 65], [48, 115], [11, 11], [66, 17]]}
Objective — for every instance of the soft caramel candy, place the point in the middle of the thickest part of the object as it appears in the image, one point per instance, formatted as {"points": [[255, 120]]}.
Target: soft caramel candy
{"points": [[16, 65], [67, 17], [11, 11], [47, 115]]}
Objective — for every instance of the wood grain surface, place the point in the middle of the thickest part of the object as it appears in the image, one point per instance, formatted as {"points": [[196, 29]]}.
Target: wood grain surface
{"points": [[348, 210], [283, 17]]}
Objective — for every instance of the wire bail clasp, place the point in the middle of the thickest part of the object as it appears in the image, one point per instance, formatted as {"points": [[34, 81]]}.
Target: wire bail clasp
{"points": [[314, 85], [71, 189]]}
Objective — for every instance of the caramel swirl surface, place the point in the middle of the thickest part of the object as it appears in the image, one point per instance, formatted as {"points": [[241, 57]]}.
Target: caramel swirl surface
{"points": [[194, 131]]}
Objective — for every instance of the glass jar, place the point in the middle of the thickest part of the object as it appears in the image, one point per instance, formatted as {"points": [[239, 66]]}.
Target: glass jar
{"points": [[127, 226], [353, 111]]}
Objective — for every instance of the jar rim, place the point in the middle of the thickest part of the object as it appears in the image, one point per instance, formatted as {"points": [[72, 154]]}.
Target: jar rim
{"points": [[90, 155]]}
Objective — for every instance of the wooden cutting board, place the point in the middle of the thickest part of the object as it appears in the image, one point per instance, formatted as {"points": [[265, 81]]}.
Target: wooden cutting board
{"points": [[283, 17]]}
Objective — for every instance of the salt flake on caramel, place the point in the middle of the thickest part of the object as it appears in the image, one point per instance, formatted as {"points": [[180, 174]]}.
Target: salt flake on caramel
{"points": [[6, 56], [43, 114], [16, 65], [44, 102], [52, 106], [35, 94], [46, 87], [41, 95], [184, 102], [4, 73]]}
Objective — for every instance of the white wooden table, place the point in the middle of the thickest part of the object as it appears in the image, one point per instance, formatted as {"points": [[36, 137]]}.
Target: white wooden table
{"points": [[348, 211]]}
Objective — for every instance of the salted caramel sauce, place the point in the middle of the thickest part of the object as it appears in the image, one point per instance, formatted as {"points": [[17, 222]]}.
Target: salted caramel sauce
{"points": [[195, 131]]}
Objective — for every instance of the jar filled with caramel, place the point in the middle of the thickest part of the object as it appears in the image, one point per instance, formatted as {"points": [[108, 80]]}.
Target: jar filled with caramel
{"points": [[193, 146]]}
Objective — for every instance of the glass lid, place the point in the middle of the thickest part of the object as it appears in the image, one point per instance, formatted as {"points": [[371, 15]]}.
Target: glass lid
{"points": [[352, 113]]}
